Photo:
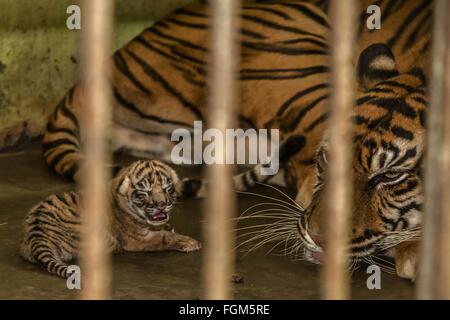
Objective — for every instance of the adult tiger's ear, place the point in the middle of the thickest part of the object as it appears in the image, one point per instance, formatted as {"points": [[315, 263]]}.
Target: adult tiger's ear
{"points": [[124, 185], [375, 64]]}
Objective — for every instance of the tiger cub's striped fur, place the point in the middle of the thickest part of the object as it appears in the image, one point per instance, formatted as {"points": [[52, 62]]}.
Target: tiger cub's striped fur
{"points": [[142, 196]]}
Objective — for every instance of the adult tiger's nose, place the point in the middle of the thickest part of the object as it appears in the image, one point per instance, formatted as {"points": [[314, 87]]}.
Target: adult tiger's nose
{"points": [[318, 239], [314, 232]]}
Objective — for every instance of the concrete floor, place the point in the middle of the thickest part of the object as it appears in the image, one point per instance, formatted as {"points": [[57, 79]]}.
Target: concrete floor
{"points": [[25, 180]]}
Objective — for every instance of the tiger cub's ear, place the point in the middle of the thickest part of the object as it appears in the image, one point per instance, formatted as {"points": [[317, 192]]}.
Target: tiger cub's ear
{"points": [[124, 185], [375, 64]]}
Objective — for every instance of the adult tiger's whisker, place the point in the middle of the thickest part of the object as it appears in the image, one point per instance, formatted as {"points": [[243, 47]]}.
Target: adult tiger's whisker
{"points": [[384, 268], [384, 260], [264, 229], [267, 232], [282, 231], [270, 203], [265, 241], [283, 193], [296, 207], [263, 234], [279, 212], [275, 246], [280, 236], [256, 226]]}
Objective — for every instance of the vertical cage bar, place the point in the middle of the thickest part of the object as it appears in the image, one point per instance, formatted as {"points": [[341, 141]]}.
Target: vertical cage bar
{"points": [[335, 282], [434, 266], [220, 204], [443, 237], [443, 291], [96, 37]]}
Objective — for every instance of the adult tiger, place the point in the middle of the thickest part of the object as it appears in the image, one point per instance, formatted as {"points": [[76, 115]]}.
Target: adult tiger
{"points": [[159, 82]]}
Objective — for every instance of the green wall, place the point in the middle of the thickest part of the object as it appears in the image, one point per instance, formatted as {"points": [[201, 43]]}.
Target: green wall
{"points": [[38, 56]]}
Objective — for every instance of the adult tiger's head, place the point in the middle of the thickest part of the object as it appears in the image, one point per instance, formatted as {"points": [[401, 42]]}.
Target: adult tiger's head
{"points": [[388, 144], [146, 190]]}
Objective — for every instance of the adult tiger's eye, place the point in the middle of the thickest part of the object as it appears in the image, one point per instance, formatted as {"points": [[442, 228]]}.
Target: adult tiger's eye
{"points": [[392, 175], [387, 177]]}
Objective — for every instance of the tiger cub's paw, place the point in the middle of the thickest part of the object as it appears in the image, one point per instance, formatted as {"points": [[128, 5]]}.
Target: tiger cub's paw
{"points": [[406, 262], [187, 244]]}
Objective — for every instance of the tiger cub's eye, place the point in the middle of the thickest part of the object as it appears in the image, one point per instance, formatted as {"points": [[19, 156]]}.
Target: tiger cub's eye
{"points": [[139, 197], [170, 189]]}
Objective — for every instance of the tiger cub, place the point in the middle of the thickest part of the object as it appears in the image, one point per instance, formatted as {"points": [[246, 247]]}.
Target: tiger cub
{"points": [[142, 196]]}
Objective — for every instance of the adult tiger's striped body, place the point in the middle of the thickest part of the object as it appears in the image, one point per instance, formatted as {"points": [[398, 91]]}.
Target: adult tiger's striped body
{"points": [[159, 78], [159, 84], [142, 196]]}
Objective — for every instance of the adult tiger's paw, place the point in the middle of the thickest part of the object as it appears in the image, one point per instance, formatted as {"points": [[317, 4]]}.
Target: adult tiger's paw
{"points": [[406, 260], [188, 244]]}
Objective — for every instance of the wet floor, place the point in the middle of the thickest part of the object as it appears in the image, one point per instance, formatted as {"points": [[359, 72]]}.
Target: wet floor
{"points": [[25, 180]]}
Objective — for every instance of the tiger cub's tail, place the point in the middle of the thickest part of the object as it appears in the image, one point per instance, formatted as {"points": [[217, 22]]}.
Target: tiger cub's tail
{"points": [[43, 254], [51, 233]]}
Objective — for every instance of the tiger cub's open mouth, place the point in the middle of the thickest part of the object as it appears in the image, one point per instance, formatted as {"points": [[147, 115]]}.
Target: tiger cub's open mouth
{"points": [[158, 216]]}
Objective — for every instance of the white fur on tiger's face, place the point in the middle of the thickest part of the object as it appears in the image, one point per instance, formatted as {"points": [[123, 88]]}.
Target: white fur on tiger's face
{"points": [[142, 195]]}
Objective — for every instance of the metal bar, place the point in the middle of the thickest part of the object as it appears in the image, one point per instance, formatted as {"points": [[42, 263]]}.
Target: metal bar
{"points": [[434, 265], [443, 235], [335, 284], [220, 205], [96, 115], [443, 292]]}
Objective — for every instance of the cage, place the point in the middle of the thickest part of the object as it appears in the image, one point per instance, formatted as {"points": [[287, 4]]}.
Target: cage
{"points": [[347, 99]]}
